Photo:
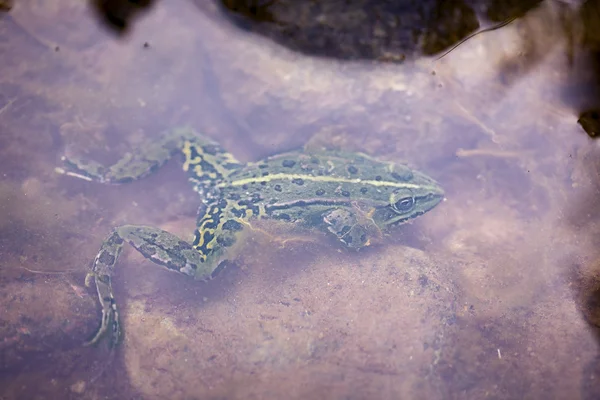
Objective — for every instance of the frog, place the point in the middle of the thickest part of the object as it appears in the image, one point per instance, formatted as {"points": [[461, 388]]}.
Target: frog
{"points": [[350, 196]]}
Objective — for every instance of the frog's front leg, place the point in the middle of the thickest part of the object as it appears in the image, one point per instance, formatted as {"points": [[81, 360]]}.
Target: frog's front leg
{"points": [[159, 246], [347, 226]]}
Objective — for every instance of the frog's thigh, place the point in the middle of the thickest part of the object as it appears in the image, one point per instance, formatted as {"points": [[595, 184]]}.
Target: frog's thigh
{"points": [[344, 224], [163, 248], [160, 246]]}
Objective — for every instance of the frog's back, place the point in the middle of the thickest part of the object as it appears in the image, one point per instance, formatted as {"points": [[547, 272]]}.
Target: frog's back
{"points": [[324, 176], [335, 164]]}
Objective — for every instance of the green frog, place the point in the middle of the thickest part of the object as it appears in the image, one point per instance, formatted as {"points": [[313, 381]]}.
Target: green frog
{"points": [[348, 195]]}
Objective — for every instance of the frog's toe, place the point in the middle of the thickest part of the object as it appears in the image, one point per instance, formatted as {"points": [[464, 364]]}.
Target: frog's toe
{"points": [[81, 168], [89, 277]]}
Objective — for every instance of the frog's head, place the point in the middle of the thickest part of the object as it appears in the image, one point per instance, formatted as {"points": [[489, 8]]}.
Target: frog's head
{"points": [[418, 196]]}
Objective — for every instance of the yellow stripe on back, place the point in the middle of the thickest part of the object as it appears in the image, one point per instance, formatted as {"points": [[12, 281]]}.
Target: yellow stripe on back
{"points": [[272, 177]]}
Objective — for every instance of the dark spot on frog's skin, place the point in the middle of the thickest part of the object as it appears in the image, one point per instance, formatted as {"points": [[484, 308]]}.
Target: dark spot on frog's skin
{"points": [[245, 187], [126, 179], [248, 205], [288, 163], [154, 167], [284, 217], [298, 181], [408, 176], [277, 188], [208, 236], [363, 238], [364, 190], [315, 160], [232, 225], [265, 173], [106, 258], [352, 169], [208, 168], [183, 245], [210, 224], [115, 239], [378, 178], [172, 265], [234, 196], [232, 166], [263, 183], [194, 152], [218, 270], [423, 280], [238, 212], [147, 250], [320, 192], [256, 198], [263, 166], [226, 240], [345, 193], [255, 210], [211, 149]]}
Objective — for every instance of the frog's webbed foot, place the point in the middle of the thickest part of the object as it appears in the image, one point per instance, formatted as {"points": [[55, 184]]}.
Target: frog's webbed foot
{"points": [[159, 246], [345, 225]]}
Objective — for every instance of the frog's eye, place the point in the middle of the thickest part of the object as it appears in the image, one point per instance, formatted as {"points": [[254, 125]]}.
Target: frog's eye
{"points": [[404, 205], [402, 201]]}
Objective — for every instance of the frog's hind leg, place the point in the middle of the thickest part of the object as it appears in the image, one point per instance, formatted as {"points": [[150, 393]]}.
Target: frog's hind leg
{"points": [[207, 164], [159, 246], [102, 270], [204, 158]]}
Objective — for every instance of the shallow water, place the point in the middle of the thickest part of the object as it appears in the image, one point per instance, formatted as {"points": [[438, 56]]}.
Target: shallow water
{"points": [[494, 294]]}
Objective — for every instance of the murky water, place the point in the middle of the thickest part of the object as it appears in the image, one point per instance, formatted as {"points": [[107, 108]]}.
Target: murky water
{"points": [[493, 294]]}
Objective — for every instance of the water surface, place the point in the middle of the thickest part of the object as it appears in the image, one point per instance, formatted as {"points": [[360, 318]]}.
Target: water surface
{"points": [[493, 294]]}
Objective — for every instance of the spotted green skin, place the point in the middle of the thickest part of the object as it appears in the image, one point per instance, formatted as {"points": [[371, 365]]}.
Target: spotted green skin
{"points": [[349, 195]]}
